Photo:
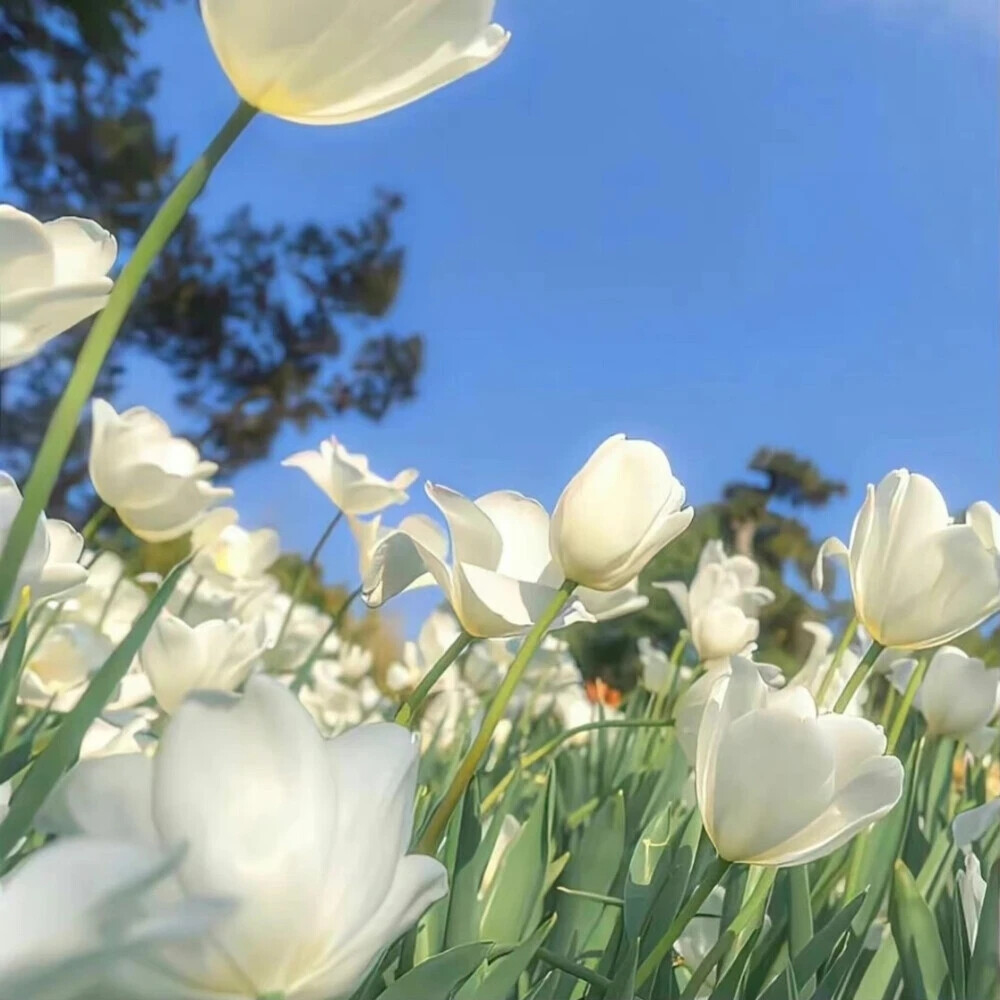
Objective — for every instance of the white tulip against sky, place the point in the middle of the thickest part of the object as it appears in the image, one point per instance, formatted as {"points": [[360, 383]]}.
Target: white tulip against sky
{"points": [[72, 910], [370, 534], [216, 655], [52, 276], [158, 484], [616, 513], [348, 481], [721, 606], [50, 567], [778, 784], [306, 837], [814, 674], [227, 553], [330, 62], [919, 578]]}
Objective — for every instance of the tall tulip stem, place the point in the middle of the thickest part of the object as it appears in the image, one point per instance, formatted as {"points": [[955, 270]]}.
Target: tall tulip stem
{"points": [[310, 564], [408, 711], [906, 703], [480, 745], [858, 677], [62, 427], [304, 674], [831, 671]]}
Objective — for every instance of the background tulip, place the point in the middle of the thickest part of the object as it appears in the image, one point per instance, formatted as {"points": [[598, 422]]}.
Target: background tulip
{"points": [[329, 62], [616, 513], [779, 785], [346, 479], [918, 578], [157, 483], [227, 553], [308, 838], [52, 276]]}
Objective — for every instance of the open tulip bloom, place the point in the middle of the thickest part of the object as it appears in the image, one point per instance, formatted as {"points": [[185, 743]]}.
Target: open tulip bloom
{"points": [[779, 785]]}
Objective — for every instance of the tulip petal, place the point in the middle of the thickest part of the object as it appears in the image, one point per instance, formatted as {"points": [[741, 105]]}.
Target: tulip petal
{"points": [[474, 537]]}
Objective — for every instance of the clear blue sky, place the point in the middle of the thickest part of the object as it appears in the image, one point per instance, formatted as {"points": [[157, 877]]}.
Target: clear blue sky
{"points": [[710, 223]]}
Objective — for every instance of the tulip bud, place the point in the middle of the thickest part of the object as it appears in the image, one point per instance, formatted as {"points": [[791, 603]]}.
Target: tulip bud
{"points": [[616, 513], [958, 695]]}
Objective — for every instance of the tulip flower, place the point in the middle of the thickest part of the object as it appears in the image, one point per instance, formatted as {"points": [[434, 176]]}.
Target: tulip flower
{"points": [[58, 669], [227, 554], [52, 276], [973, 824], [657, 671], [105, 739], [307, 837], [107, 600], [157, 483], [213, 656], [74, 909], [346, 479], [779, 785], [369, 535], [972, 895], [50, 566], [330, 62], [918, 578], [616, 513]]}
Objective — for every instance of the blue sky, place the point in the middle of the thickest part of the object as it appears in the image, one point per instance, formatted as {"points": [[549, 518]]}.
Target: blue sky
{"points": [[714, 224]]}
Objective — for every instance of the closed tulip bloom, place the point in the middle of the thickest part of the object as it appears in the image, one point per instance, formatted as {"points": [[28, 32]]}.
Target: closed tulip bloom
{"points": [[307, 838], [50, 566], [329, 62], [779, 785], [959, 694], [346, 479], [157, 483], [52, 276], [616, 513], [918, 578], [226, 553], [972, 896], [216, 655]]}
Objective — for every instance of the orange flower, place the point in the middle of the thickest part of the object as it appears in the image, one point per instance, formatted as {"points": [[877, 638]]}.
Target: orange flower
{"points": [[601, 693]]}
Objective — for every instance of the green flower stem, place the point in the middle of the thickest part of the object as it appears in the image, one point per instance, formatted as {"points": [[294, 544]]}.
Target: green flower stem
{"points": [[310, 564], [845, 640], [800, 923], [713, 876], [580, 972], [186, 603], [407, 713], [857, 678], [529, 759], [676, 655], [481, 744], [95, 521], [304, 674], [903, 709], [63, 424]]}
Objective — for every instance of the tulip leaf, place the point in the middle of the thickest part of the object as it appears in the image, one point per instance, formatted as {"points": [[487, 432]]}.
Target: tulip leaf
{"points": [[646, 874], [502, 974], [60, 754], [921, 954], [10, 673], [623, 981], [731, 983], [984, 967], [441, 975]]}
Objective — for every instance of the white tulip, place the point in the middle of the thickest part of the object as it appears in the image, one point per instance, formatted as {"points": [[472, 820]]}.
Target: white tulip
{"points": [[616, 513], [691, 705], [52, 276], [227, 554], [157, 483], [214, 656], [819, 663], [346, 479], [779, 785], [369, 535], [74, 909], [959, 694], [918, 578], [307, 837], [333, 704], [107, 600], [59, 668], [973, 824], [502, 575], [330, 62], [657, 670], [972, 895], [50, 566], [105, 739]]}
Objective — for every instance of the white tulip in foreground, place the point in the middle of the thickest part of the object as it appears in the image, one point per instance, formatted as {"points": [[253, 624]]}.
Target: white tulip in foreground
{"points": [[369, 535], [777, 784], [919, 579], [329, 62], [52, 276], [157, 483], [217, 655], [50, 566], [616, 513], [72, 910], [346, 479], [306, 837]]}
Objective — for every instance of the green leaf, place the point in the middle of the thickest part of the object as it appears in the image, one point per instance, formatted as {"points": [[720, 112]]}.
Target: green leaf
{"points": [[984, 967], [502, 975], [10, 674], [441, 975], [645, 873], [921, 954], [731, 984], [60, 754], [800, 917], [623, 981]]}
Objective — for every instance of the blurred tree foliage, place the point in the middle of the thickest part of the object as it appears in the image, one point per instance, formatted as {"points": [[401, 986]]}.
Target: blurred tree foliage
{"points": [[257, 325]]}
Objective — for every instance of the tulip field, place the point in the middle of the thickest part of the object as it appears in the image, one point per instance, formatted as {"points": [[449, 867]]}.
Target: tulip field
{"points": [[211, 788]]}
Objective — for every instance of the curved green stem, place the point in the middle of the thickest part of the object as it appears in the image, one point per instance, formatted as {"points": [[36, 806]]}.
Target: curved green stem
{"points": [[304, 673], [903, 709], [716, 870], [95, 521], [858, 677], [307, 567], [63, 424], [845, 640], [408, 710], [580, 972], [480, 745]]}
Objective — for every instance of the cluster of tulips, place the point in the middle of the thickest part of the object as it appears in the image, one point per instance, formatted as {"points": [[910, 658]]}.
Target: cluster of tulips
{"points": [[209, 792]]}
